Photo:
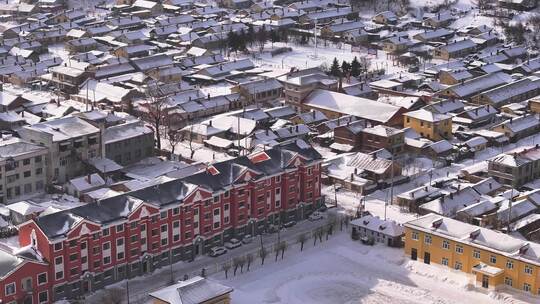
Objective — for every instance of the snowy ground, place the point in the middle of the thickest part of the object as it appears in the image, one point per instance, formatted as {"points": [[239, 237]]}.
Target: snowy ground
{"points": [[343, 271]]}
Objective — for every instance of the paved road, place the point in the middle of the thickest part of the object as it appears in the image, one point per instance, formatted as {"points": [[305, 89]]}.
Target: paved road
{"points": [[140, 287]]}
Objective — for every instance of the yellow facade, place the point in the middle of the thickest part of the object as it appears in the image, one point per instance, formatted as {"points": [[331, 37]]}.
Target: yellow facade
{"points": [[431, 130], [457, 254]]}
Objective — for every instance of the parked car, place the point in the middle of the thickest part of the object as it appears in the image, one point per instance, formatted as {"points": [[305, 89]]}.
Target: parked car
{"points": [[217, 251], [288, 224], [272, 229], [315, 216], [233, 243], [247, 239]]}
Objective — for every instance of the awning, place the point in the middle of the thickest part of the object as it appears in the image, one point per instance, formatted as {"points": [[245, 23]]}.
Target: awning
{"points": [[488, 270]]}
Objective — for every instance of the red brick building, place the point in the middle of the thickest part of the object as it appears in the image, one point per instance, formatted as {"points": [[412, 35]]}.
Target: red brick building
{"points": [[89, 247]]}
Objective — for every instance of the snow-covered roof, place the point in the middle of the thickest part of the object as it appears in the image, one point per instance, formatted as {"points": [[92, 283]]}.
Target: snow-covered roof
{"points": [[351, 105], [374, 223], [479, 237], [25, 208], [480, 84], [85, 183], [192, 291], [426, 115], [65, 128]]}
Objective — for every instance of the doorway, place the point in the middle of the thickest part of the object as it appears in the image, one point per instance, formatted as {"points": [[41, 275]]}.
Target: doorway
{"points": [[485, 281], [427, 257], [85, 286], [414, 254]]}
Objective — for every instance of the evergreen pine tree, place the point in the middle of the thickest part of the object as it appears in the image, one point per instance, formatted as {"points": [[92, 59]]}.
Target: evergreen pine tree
{"points": [[345, 67], [335, 69], [355, 67]]}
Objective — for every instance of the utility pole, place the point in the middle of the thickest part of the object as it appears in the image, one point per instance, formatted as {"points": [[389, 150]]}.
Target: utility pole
{"points": [[127, 289], [391, 182]]}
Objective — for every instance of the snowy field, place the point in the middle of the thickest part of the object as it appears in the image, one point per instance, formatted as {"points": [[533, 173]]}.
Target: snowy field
{"points": [[343, 271]]}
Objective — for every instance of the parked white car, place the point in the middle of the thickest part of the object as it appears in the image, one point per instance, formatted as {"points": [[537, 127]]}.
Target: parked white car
{"points": [[233, 243], [315, 216]]}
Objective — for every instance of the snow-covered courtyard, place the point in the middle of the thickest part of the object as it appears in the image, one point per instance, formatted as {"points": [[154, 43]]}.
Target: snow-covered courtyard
{"points": [[344, 271]]}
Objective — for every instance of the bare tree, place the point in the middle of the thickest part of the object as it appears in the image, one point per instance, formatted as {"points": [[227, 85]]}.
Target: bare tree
{"points": [[236, 264], [276, 250], [283, 246], [249, 260], [155, 112], [242, 263], [263, 253], [174, 137], [226, 266], [302, 238]]}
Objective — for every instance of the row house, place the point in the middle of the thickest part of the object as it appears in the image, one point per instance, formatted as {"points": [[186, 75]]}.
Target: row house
{"points": [[492, 258], [89, 247], [70, 141], [22, 169]]}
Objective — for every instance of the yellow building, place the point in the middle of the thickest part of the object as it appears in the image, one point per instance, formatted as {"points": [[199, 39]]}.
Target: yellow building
{"points": [[494, 258], [428, 124]]}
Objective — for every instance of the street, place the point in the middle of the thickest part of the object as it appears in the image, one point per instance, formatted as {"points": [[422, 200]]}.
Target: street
{"points": [[139, 287]]}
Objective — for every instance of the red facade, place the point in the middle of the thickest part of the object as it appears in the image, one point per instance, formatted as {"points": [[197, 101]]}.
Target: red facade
{"points": [[92, 248]]}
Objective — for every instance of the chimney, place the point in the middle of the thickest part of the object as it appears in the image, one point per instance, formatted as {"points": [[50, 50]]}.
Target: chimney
{"points": [[352, 177], [451, 195], [89, 178], [296, 128], [210, 123]]}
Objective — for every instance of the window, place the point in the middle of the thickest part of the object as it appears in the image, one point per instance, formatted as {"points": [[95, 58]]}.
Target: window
{"points": [[176, 224], [106, 232], [27, 173], [133, 225], [226, 194], [58, 260], [37, 159], [119, 228], [414, 235], [42, 278], [164, 242], [59, 275], [163, 214], [446, 244], [459, 249], [107, 246], [458, 266], [427, 239], [278, 191], [216, 225], [226, 207], [120, 256], [10, 289], [278, 178], [509, 264], [528, 269], [58, 246], [444, 261], [164, 228], [226, 220], [133, 238], [508, 281], [176, 211], [492, 259], [119, 242], [216, 212], [309, 171], [72, 243], [476, 254], [43, 297], [134, 252], [106, 260], [96, 264], [73, 271], [526, 287], [73, 257], [216, 198]]}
